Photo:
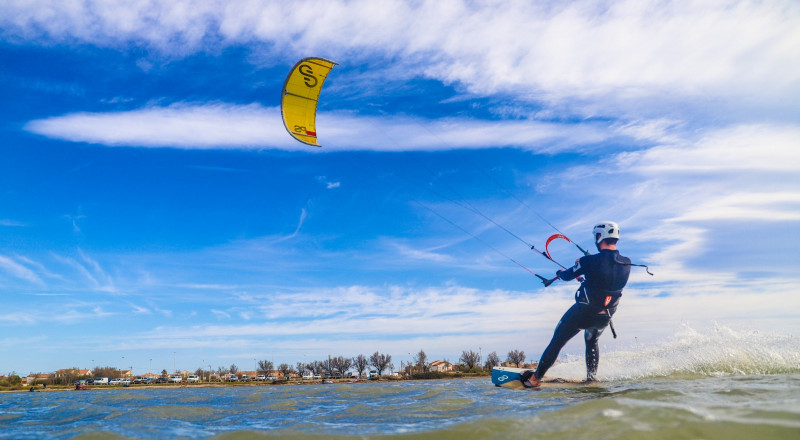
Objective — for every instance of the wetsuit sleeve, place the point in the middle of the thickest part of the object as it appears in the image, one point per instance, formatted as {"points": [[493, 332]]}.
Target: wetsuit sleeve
{"points": [[571, 273]]}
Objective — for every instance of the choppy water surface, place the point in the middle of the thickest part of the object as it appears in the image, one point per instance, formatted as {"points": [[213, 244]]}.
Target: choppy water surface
{"points": [[719, 395]]}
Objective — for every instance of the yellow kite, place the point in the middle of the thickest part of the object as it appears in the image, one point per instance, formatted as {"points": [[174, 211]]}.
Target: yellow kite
{"points": [[300, 95]]}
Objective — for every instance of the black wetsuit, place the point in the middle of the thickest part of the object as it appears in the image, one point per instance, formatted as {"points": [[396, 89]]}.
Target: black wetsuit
{"points": [[606, 274]]}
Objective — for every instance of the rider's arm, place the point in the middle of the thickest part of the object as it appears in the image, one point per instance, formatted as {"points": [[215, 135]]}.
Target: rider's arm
{"points": [[571, 273]]}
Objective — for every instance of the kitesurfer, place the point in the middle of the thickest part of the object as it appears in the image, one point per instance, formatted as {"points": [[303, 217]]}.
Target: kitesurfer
{"points": [[605, 275]]}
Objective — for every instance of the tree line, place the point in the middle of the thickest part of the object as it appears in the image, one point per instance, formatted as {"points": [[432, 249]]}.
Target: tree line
{"points": [[333, 364], [469, 361]]}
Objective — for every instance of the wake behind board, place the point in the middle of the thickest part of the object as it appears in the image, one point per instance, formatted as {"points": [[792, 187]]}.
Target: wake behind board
{"points": [[508, 377]]}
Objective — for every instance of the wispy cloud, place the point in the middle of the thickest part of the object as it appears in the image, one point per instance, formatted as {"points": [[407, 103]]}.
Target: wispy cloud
{"points": [[228, 126], [220, 314], [747, 148], [178, 126], [74, 220], [89, 270], [107, 283], [367, 310], [303, 215], [446, 319], [421, 254], [12, 223], [139, 310], [69, 314], [20, 271], [769, 207], [328, 184]]}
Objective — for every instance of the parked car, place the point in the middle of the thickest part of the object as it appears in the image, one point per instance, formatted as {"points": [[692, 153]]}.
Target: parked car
{"points": [[317, 376], [308, 375], [193, 378], [148, 380], [261, 377], [161, 379], [175, 379], [272, 377], [245, 378], [232, 378], [116, 381], [138, 379], [89, 382], [125, 381], [101, 381]]}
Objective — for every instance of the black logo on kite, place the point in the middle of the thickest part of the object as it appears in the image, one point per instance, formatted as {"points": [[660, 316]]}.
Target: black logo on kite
{"points": [[308, 75]]}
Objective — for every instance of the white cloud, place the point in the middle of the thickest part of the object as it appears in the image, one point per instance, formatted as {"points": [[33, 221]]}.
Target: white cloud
{"points": [[95, 274], [19, 271], [691, 204], [180, 126], [65, 314], [71, 316], [422, 254], [17, 318], [139, 310], [729, 149], [659, 130], [771, 207], [253, 126], [7, 222], [622, 51], [737, 174], [443, 320], [220, 314], [375, 311]]}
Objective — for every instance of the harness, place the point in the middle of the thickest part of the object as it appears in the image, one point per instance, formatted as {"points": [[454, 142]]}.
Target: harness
{"points": [[610, 301], [604, 300], [609, 298]]}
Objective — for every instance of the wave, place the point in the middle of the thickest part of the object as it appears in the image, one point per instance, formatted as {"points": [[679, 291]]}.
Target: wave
{"points": [[691, 353]]}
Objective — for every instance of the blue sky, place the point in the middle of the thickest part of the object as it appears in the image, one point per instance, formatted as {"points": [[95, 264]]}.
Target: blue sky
{"points": [[153, 207]]}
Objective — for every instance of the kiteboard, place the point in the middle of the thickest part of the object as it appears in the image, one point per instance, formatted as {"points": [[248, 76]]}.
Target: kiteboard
{"points": [[508, 377]]}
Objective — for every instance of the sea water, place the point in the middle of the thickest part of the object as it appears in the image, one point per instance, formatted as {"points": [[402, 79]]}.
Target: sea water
{"points": [[717, 385]]}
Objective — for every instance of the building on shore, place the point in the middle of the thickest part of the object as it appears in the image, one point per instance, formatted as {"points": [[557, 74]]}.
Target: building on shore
{"points": [[39, 378], [441, 367], [70, 374]]}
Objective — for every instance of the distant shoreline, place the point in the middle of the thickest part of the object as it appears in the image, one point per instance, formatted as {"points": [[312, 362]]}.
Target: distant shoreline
{"points": [[59, 388]]}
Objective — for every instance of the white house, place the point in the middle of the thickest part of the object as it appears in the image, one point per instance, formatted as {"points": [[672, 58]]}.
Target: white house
{"points": [[441, 366]]}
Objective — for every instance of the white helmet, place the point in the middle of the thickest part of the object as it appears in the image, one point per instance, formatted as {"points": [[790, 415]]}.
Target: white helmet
{"points": [[605, 230]]}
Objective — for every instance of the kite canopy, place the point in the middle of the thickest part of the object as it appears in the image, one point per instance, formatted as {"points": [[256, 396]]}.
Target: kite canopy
{"points": [[300, 95]]}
